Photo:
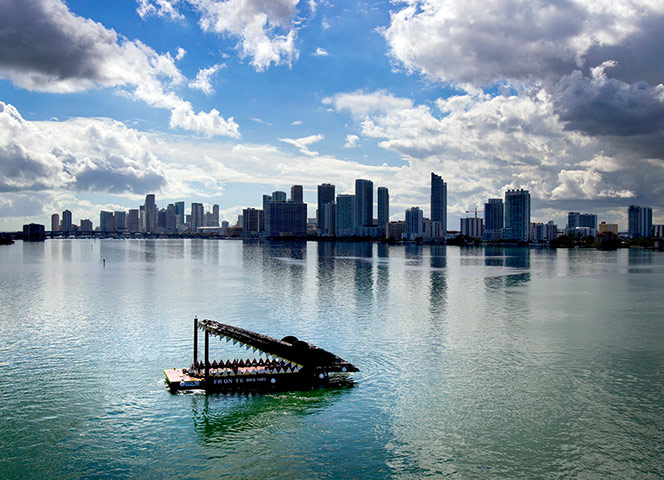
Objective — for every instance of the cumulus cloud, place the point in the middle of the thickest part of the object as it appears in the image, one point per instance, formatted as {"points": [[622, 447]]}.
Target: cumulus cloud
{"points": [[202, 80], [266, 28], [81, 155], [302, 144], [351, 141], [45, 47], [483, 42], [160, 8]]}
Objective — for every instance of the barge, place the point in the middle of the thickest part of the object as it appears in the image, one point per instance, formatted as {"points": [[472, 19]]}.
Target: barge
{"points": [[286, 364]]}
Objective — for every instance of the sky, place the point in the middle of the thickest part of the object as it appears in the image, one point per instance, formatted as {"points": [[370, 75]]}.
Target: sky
{"points": [[220, 102]]}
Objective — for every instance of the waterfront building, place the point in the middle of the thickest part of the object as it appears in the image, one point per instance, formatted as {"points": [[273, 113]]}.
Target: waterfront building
{"points": [[120, 218], [66, 222], [329, 211], [34, 232], [345, 215], [433, 230], [608, 227], [363, 203], [106, 222], [214, 219], [55, 222], [658, 231], [517, 215], [286, 219], [493, 219], [86, 226], [543, 232], [171, 218], [197, 216], [150, 214], [472, 227], [383, 207], [325, 196], [296, 194], [252, 221], [414, 226], [639, 221], [439, 201], [583, 220], [179, 210], [133, 221], [395, 230]]}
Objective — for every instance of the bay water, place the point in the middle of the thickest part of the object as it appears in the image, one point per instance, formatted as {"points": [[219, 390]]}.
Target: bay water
{"points": [[481, 362]]}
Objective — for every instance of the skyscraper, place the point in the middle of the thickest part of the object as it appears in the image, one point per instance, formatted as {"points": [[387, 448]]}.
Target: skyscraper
{"points": [[197, 216], [517, 215], [439, 200], [414, 227], [383, 206], [296, 194], [150, 214], [133, 221], [55, 222], [363, 203], [120, 218], [179, 210], [581, 220], [106, 221], [66, 222], [345, 215], [639, 221], [325, 196], [493, 219]]}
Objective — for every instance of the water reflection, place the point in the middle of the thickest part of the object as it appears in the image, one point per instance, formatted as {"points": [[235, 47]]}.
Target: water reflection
{"points": [[437, 280]]}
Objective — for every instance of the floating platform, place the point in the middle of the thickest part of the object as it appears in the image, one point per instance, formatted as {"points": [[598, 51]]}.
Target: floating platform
{"points": [[286, 364]]}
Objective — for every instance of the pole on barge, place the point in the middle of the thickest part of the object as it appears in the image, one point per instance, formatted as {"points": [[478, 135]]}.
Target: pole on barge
{"points": [[196, 342], [207, 361]]}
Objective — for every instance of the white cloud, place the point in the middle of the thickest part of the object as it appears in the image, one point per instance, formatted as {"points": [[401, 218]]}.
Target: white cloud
{"points": [[202, 81], [351, 141], [45, 47], [266, 28], [180, 54], [296, 123], [161, 8], [303, 143], [321, 52]]}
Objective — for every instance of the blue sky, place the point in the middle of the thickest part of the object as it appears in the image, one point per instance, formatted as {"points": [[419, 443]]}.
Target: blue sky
{"points": [[221, 101]]}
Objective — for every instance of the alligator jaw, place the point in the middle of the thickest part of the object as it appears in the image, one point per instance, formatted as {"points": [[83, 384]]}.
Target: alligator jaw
{"points": [[293, 353]]}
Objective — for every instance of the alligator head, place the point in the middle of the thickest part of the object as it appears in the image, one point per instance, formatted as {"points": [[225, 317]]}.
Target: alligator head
{"points": [[301, 356]]}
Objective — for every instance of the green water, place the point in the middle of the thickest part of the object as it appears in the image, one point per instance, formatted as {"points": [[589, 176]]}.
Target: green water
{"points": [[475, 363]]}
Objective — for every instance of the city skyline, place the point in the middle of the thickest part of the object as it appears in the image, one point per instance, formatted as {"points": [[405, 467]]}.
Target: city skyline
{"points": [[218, 102]]}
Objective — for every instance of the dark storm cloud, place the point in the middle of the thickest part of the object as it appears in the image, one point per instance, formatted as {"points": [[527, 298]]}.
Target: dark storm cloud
{"points": [[21, 170], [629, 115], [118, 181]]}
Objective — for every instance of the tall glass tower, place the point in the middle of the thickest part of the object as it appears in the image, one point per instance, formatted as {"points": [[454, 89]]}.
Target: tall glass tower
{"points": [[325, 196], [493, 219], [363, 203], [439, 201], [383, 206], [517, 215]]}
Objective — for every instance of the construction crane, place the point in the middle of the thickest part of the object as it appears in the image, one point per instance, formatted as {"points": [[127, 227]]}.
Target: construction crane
{"points": [[472, 212]]}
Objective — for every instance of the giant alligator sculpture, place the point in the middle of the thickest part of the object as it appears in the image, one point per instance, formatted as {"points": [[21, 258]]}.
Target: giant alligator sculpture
{"points": [[283, 364]]}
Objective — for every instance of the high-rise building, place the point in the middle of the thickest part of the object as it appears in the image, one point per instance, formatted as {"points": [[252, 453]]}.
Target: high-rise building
{"points": [[363, 203], [86, 226], [517, 215], [328, 228], [639, 221], [55, 222], [344, 224], [150, 215], [608, 227], [179, 210], [252, 221], [106, 221], [439, 200], [325, 196], [120, 221], [493, 219], [286, 219], [383, 206], [214, 219], [133, 221], [544, 232], [472, 227], [581, 222], [414, 226], [278, 196], [197, 216], [171, 218], [66, 222], [296, 194]]}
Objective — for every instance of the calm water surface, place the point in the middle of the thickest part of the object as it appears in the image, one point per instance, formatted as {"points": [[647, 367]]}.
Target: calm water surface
{"points": [[475, 363]]}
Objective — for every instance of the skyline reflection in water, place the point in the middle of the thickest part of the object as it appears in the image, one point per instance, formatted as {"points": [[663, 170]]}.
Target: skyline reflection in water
{"points": [[475, 361]]}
